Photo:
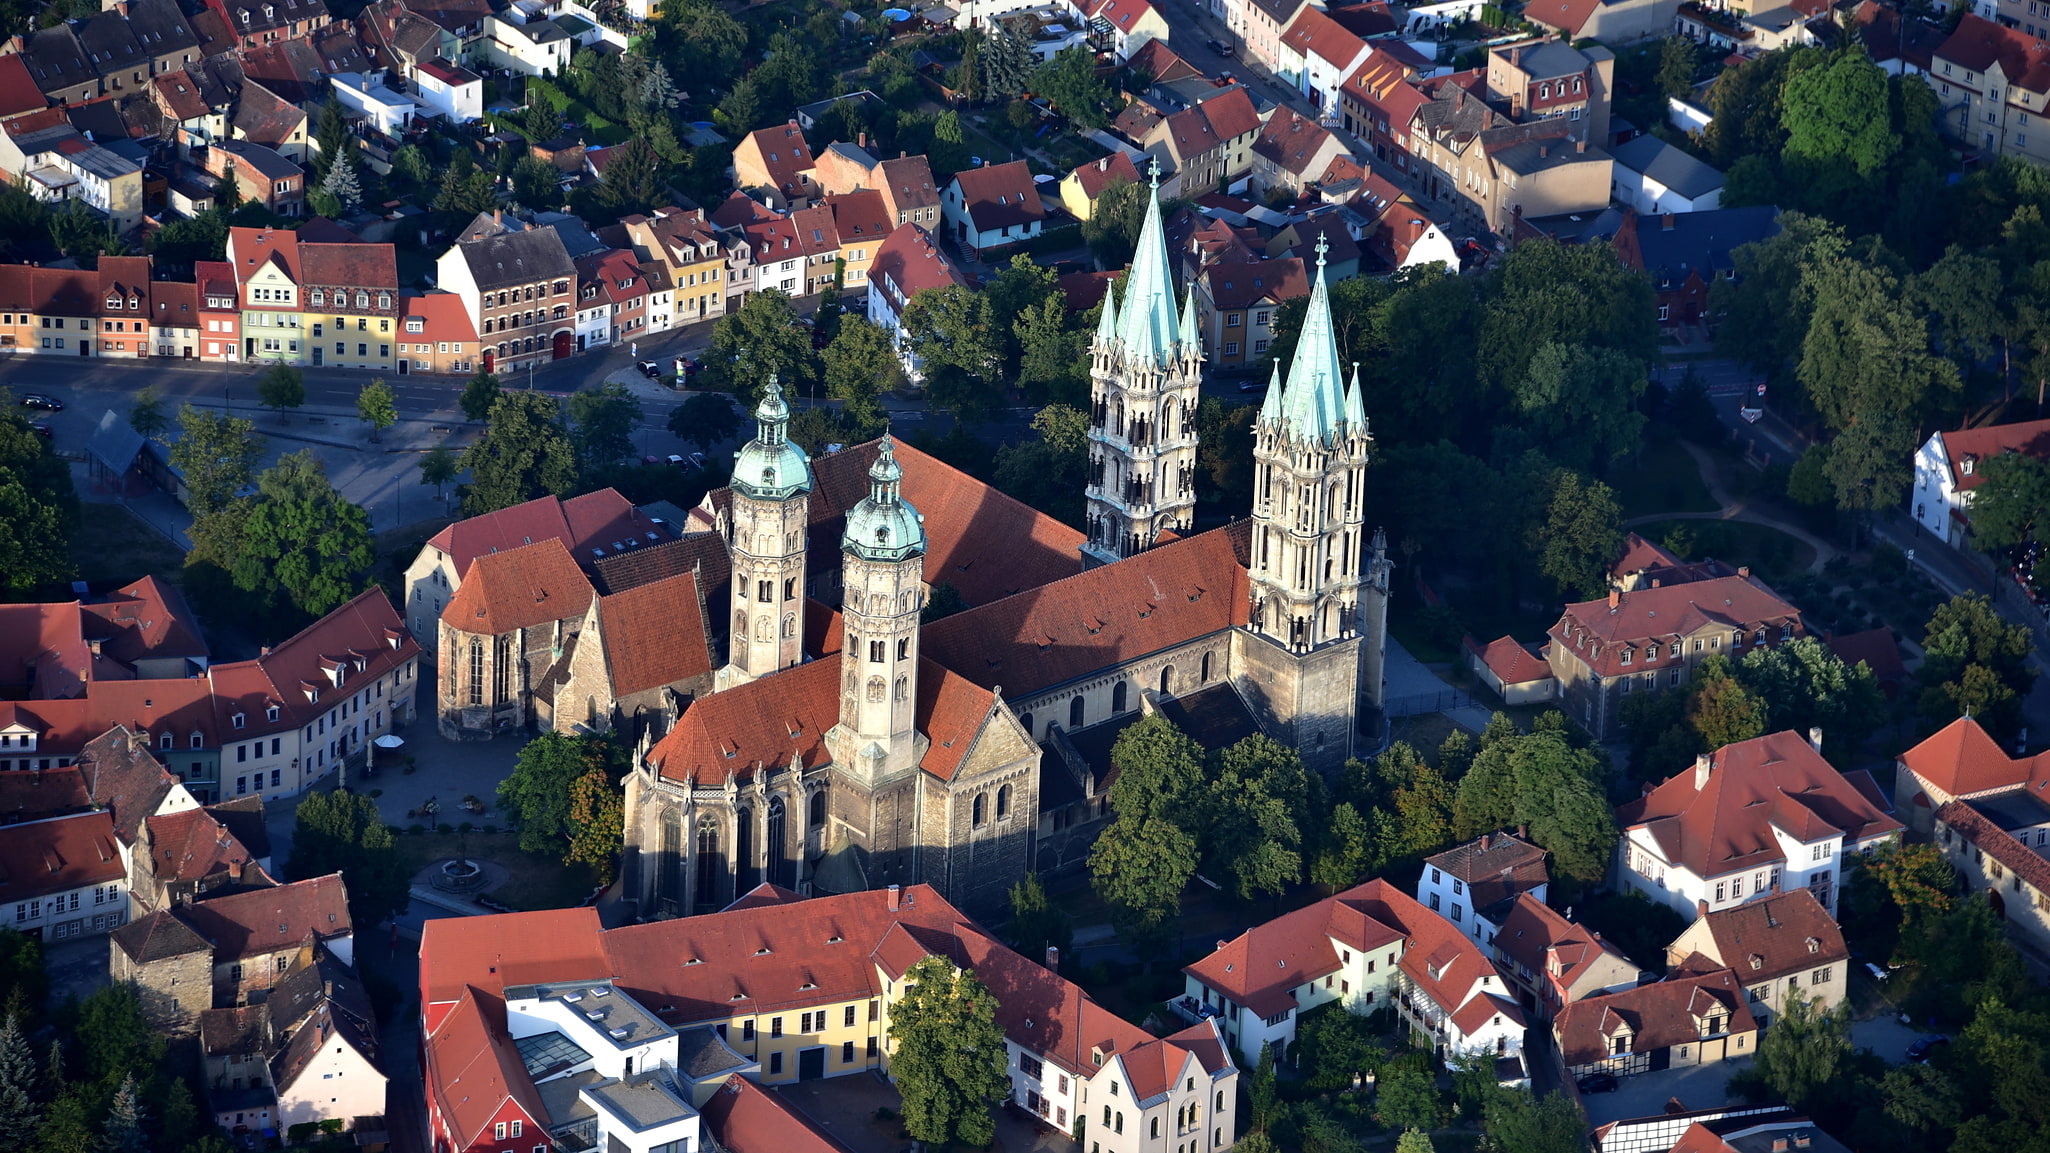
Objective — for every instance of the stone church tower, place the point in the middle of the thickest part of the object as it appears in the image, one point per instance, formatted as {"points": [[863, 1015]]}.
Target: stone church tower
{"points": [[1299, 661], [876, 747], [771, 511], [1144, 369]]}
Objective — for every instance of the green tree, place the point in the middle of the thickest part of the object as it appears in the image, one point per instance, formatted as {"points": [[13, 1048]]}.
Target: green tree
{"points": [[182, 243], [1139, 866], [1581, 534], [1806, 1049], [1522, 1123], [1334, 1045], [741, 111], [705, 419], [24, 983], [523, 454], [1868, 461], [1963, 294], [860, 365], [1036, 922], [1053, 353], [537, 183], [1406, 1096], [1580, 403], [1347, 852], [537, 792], [1974, 659], [2009, 504], [759, 340], [634, 180], [114, 1038], [1827, 114], [331, 134], [21, 1115], [342, 184], [340, 832], [439, 467], [1765, 306], [1414, 1141], [1724, 712], [1116, 217], [1050, 471], [1805, 685], [1611, 307], [1540, 780], [302, 542], [215, 456], [146, 415], [603, 421], [1070, 83], [596, 820], [1678, 61], [1867, 347], [1007, 62], [281, 387], [1916, 877], [947, 1056], [1923, 1098], [77, 232], [479, 394], [37, 506], [123, 1131], [377, 407], [952, 331]]}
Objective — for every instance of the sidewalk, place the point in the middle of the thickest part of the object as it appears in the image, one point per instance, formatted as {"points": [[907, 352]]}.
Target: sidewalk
{"points": [[1733, 509]]}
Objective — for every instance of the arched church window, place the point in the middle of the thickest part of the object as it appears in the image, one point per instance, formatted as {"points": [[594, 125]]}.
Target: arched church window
{"points": [[669, 868], [1166, 678], [1025, 722], [875, 690], [1206, 668], [1117, 697], [981, 802], [1075, 708], [903, 648], [903, 692], [765, 630], [817, 814], [1003, 802], [789, 626], [775, 874]]}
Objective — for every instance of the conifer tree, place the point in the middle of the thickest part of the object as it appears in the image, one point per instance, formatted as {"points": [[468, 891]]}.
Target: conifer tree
{"points": [[20, 1114]]}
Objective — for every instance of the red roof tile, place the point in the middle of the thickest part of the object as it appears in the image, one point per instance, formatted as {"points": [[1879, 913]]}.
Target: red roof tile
{"points": [[191, 845], [1312, 32], [519, 589], [34, 794], [18, 91], [59, 854], [1000, 195], [910, 262], [1968, 448], [654, 634], [269, 920], [1092, 178], [443, 318], [746, 1118], [1640, 622], [1776, 935], [510, 949], [1509, 660], [783, 153], [474, 1075], [1962, 760], [1658, 1016]]}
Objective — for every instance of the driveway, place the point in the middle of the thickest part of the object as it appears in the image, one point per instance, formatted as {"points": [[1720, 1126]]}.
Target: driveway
{"points": [[846, 1108], [1645, 1095], [77, 968]]}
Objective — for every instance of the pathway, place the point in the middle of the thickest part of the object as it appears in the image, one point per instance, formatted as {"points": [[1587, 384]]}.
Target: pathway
{"points": [[1738, 510]]}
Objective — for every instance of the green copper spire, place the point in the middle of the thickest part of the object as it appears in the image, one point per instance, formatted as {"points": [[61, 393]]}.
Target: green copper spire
{"points": [[1355, 409], [1148, 326], [1314, 406], [884, 527], [1191, 337], [1270, 408], [1107, 320], [770, 467]]}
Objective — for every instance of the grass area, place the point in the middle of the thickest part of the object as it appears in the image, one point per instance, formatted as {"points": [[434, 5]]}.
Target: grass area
{"points": [[536, 881], [1662, 480], [1769, 552], [112, 546]]}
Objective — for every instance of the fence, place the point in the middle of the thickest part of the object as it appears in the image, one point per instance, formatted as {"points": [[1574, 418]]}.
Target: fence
{"points": [[1416, 704]]}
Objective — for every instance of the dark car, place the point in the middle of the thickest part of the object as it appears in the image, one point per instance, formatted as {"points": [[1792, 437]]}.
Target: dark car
{"points": [[39, 400], [1598, 1083], [43, 430], [1923, 1047], [1220, 47]]}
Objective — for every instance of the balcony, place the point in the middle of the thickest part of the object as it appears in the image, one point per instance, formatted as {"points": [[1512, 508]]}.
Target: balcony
{"points": [[1193, 1011]]}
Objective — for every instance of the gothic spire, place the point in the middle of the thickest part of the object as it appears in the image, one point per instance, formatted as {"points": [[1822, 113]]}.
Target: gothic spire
{"points": [[1148, 326], [1191, 337], [1107, 320], [1355, 406], [1314, 405], [1270, 408]]}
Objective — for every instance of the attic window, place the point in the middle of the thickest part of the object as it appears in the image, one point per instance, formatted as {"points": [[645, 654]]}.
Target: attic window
{"points": [[694, 961], [763, 951]]}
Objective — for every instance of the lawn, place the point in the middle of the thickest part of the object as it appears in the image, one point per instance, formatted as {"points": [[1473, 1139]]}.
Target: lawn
{"points": [[537, 881], [1661, 479], [112, 546], [1770, 552]]}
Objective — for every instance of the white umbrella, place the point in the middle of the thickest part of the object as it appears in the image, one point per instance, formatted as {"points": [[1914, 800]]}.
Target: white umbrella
{"points": [[388, 741]]}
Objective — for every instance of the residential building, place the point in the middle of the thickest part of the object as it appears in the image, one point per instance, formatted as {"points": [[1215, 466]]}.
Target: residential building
{"points": [[1551, 79], [518, 286], [220, 310], [268, 279], [861, 221], [1258, 25], [993, 207], [261, 175], [1236, 306], [381, 109], [1403, 234], [909, 194], [174, 319], [1552, 962], [1474, 884], [1511, 671], [58, 62], [1317, 55], [1780, 946], [1080, 188], [908, 262], [1991, 841], [1652, 638], [1123, 27], [1292, 153], [1760, 816], [57, 163], [185, 856], [449, 89], [1756, 1127], [1681, 1021], [435, 335], [1653, 177], [351, 295], [1609, 21], [123, 307], [1200, 148], [1368, 948], [266, 118], [1947, 470], [1990, 84], [533, 47], [692, 256], [1378, 103], [1687, 252], [260, 935], [254, 23], [775, 164], [170, 966], [609, 283], [64, 877]]}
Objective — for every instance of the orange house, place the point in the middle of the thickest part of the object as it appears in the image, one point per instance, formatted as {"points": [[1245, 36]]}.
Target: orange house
{"points": [[435, 334]]}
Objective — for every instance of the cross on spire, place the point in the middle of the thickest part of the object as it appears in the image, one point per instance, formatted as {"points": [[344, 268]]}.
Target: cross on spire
{"points": [[1323, 246], [1153, 171]]}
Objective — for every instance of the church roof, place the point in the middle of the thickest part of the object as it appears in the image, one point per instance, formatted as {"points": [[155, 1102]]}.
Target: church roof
{"points": [[1314, 407], [1148, 327], [1095, 620]]}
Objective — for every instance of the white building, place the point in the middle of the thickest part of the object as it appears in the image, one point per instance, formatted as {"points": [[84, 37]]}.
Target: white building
{"points": [[387, 111], [1474, 885], [908, 263], [63, 877], [1654, 177], [534, 48], [328, 1071], [449, 89], [1753, 817], [1947, 470]]}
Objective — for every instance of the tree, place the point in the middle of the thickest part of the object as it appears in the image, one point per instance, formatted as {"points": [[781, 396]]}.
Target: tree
{"points": [[438, 468], [1831, 131], [480, 394], [1805, 1050], [948, 1057], [78, 233], [1007, 63], [281, 387], [216, 456], [523, 454], [603, 422], [633, 179], [302, 541], [1037, 924], [1139, 867], [1805, 685], [1611, 307], [21, 1115], [2010, 502], [331, 133], [1261, 1092], [181, 243], [342, 184], [1974, 660], [465, 190], [760, 340], [537, 183], [541, 121], [1116, 217], [705, 419], [1916, 877], [1581, 534], [741, 110], [860, 365], [1522, 1123], [1413, 1141], [1678, 62], [1406, 1095], [1580, 403], [24, 983], [1347, 852], [537, 792], [114, 1038], [1540, 780], [146, 416], [1866, 352], [596, 821], [1765, 307], [1050, 471], [1724, 712], [37, 506], [1334, 1045], [1053, 354], [952, 332], [1963, 294], [123, 1133], [376, 407], [340, 832], [1070, 83], [1868, 463]]}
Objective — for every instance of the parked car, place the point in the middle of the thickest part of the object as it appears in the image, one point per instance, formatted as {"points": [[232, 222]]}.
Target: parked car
{"points": [[1922, 1048], [697, 461], [652, 369], [1253, 386], [44, 402], [42, 429], [1220, 47], [1599, 1083]]}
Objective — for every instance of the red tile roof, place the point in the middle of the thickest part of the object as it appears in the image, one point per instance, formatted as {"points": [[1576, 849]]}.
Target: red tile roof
{"points": [[1599, 633], [1092, 178], [1157, 60], [59, 854], [519, 589], [121, 775], [746, 1118], [1240, 285], [474, 1074], [1000, 195], [1509, 660], [1725, 825], [150, 619], [1312, 32], [191, 845], [1978, 44], [654, 634], [1658, 1016], [1776, 935], [18, 91], [1962, 760], [911, 263], [784, 154], [1535, 937], [860, 217], [1231, 113], [1569, 16], [371, 266], [594, 519], [509, 949], [1876, 648], [1098, 619], [1293, 142], [1968, 448], [34, 794], [1123, 15], [1495, 866], [257, 921], [1996, 843], [443, 318]]}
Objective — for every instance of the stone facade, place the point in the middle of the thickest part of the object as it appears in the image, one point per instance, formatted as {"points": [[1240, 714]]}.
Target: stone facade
{"points": [[488, 683], [170, 967]]}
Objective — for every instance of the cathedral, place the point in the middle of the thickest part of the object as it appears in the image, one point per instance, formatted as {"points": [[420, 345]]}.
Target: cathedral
{"points": [[848, 748]]}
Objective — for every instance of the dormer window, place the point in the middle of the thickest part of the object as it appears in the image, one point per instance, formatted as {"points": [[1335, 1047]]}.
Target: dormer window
{"points": [[237, 720], [271, 713], [319, 298], [384, 300], [164, 741], [198, 741]]}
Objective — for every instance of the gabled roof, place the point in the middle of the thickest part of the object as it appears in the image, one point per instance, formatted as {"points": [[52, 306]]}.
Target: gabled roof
{"points": [[326, 1026], [1657, 1016], [591, 520], [190, 845], [1261, 967], [912, 262], [158, 936], [265, 117], [1962, 760], [1313, 33], [1000, 195], [258, 921], [655, 635], [57, 60], [266, 162], [1966, 449], [1669, 166], [150, 620], [1673, 245], [746, 1118], [443, 317], [33, 794], [1293, 142], [1495, 866], [509, 257], [859, 217], [1599, 632], [1773, 936], [783, 154], [18, 91], [1510, 660], [1247, 283], [518, 589], [121, 775], [371, 266], [1725, 824], [58, 854], [1978, 44], [473, 1070], [1537, 939], [512, 949]]}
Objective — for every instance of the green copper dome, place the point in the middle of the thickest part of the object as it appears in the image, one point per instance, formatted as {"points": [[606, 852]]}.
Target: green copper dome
{"points": [[769, 467], [884, 526]]}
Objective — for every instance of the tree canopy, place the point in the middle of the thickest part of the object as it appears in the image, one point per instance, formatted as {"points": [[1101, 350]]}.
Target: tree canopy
{"points": [[947, 1054], [524, 453]]}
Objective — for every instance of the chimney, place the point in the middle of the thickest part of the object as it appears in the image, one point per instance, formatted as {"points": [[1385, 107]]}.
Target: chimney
{"points": [[1615, 599], [1815, 737], [1802, 1139], [1743, 570], [1221, 942], [1665, 222], [498, 216], [861, 140], [1700, 908], [1779, 1145], [1580, 146], [895, 892], [1053, 958], [1516, 56], [1516, 106], [1544, 150], [1702, 762]]}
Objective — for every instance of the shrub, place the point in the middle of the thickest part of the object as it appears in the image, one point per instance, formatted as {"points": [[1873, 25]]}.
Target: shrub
{"points": [[416, 829], [445, 828], [465, 827]]}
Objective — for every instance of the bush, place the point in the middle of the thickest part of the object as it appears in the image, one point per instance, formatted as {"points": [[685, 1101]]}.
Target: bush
{"points": [[415, 829], [465, 827], [302, 1131], [331, 1126], [445, 828]]}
